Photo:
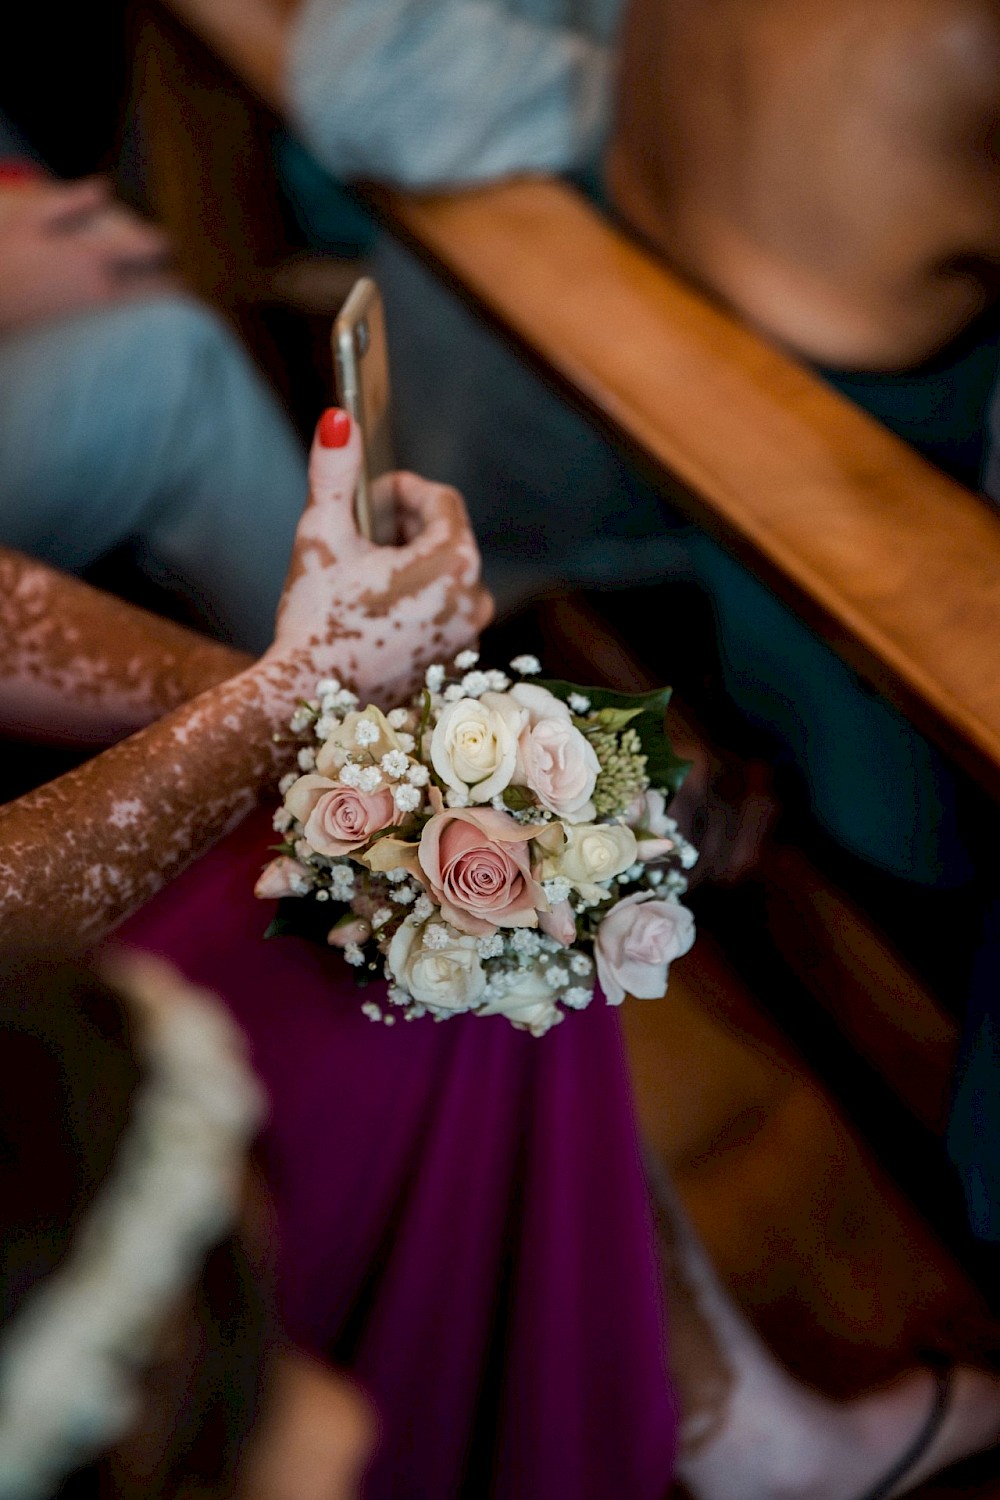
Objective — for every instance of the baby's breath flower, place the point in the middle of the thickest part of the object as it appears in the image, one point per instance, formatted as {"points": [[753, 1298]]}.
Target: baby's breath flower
{"points": [[300, 719], [353, 955], [286, 782], [282, 820], [434, 677], [499, 681], [397, 717], [578, 703], [325, 725], [406, 798], [306, 758], [577, 998], [379, 917], [394, 763], [346, 699], [342, 882], [556, 975], [396, 995], [489, 946], [456, 797], [388, 1020], [304, 851], [327, 685], [369, 1009], [525, 941], [474, 684], [453, 692], [350, 775], [418, 775], [689, 855], [634, 872], [422, 907], [526, 665], [365, 732], [436, 936], [404, 894], [580, 963], [466, 659], [396, 876], [370, 779], [557, 889], [655, 877]]}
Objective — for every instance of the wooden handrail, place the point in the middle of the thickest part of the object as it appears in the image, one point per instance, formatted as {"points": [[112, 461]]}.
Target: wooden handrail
{"points": [[896, 565]]}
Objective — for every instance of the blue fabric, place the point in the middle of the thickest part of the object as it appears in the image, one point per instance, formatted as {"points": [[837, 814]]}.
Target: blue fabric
{"points": [[974, 1124], [145, 425]]}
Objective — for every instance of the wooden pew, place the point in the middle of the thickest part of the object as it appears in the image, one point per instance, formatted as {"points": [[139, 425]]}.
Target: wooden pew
{"points": [[895, 565]]}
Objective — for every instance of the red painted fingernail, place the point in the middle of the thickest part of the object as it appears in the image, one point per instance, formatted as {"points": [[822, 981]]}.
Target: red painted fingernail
{"points": [[334, 428]]}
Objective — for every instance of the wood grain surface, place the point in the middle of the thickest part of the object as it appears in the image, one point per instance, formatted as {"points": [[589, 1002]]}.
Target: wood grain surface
{"points": [[895, 564]]}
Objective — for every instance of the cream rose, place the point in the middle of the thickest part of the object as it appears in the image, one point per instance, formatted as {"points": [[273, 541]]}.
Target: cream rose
{"points": [[593, 854], [334, 752], [474, 744], [637, 942], [555, 761], [447, 977], [476, 863], [528, 1003]]}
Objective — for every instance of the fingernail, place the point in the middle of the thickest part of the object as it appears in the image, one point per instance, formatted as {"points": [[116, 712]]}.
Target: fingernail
{"points": [[334, 428]]}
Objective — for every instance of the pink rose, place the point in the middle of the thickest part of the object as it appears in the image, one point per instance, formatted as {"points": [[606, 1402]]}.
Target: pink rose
{"points": [[555, 760], [282, 877], [477, 866], [636, 944], [338, 819], [648, 816], [559, 923], [349, 930]]}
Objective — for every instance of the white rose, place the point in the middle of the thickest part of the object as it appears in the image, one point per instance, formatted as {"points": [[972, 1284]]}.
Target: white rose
{"points": [[447, 978], [474, 744], [555, 760], [637, 942], [528, 1003], [593, 854], [539, 702]]}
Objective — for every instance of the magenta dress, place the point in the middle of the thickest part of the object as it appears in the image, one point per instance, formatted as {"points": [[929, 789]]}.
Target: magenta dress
{"points": [[462, 1213]]}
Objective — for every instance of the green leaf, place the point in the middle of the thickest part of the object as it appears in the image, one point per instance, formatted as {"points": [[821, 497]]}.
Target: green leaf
{"points": [[614, 719], [305, 917], [517, 798]]}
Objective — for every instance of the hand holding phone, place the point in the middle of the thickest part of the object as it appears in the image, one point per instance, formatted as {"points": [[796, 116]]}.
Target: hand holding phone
{"points": [[361, 369]]}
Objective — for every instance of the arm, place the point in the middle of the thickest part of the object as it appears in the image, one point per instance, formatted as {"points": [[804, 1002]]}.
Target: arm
{"points": [[81, 667], [446, 92], [80, 854]]}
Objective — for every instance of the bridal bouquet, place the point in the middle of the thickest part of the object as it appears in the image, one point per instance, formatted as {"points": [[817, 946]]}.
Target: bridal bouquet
{"points": [[494, 846]]}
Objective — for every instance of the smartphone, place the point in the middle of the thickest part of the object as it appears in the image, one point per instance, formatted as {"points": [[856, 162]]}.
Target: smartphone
{"points": [[361, 371]]}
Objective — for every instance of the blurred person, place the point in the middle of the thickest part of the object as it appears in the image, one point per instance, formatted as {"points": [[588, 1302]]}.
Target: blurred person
{"points": [[722, 181], [138, 1349], [547, 1303], [132, 423]]}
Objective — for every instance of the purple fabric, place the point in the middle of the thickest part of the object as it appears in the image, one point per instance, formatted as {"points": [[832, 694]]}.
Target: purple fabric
{"points": [[462, 1213]]}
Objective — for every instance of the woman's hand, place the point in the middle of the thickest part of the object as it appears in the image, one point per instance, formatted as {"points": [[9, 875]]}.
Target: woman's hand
{"points": [[66, 247], [375, 616]]}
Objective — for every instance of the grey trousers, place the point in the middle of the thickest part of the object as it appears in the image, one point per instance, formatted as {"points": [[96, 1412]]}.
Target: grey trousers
{"points": [[146, 425]]}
